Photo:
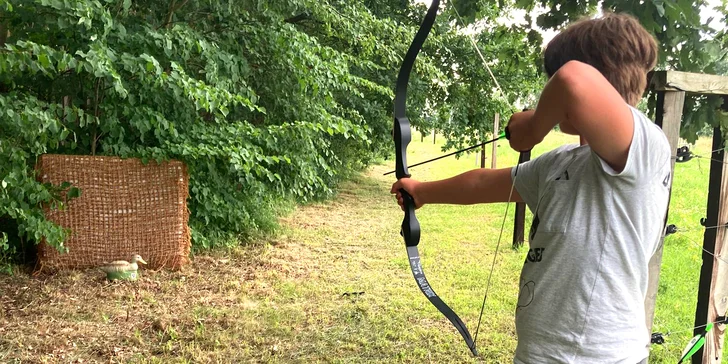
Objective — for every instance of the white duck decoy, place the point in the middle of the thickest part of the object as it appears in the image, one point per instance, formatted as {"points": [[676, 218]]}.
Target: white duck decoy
{"points": [[121, 269]]}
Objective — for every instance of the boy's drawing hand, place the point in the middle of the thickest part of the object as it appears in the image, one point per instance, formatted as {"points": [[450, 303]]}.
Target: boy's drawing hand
{"points": [[520, 129], [410, 186]]}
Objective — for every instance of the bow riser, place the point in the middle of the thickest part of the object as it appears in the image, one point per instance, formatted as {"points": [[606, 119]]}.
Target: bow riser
{"points": [[410, 224]]}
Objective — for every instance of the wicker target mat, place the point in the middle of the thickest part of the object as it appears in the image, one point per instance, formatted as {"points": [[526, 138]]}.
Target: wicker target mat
{"points": [[125, 208]]}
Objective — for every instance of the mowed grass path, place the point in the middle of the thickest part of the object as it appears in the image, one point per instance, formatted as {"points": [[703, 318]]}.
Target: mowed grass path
{"points": [[334, 286]]}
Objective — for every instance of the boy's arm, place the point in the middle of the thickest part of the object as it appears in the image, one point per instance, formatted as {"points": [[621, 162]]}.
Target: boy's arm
{"points": [[476, 186], [583, 102]]}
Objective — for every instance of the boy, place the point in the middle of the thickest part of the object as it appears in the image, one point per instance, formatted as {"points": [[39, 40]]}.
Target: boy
{"points": [[598, 207]]}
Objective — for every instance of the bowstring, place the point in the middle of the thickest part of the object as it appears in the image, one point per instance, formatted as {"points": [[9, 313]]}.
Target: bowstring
{"points": [[477, 50], [495, 256], [714, 255], [707, 227], [708, 158], [693, 328], [667, 343], [513, 184]]}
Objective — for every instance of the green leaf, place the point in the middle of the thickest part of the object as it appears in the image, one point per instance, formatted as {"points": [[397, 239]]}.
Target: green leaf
{"points": [[74, 193], [44, 60]]}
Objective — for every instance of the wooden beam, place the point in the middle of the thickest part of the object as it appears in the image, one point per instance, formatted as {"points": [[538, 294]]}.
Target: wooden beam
{"points": [[712, 289], [689, 82], [667, 115]]}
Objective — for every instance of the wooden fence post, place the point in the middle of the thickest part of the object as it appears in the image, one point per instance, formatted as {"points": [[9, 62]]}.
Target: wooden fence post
{"points": [[712, 289], [482, 156], [668, 114], [671, 87], [495, 145]]}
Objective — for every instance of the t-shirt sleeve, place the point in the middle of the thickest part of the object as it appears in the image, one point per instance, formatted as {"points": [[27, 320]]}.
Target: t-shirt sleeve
{"points": [[648, 152]]}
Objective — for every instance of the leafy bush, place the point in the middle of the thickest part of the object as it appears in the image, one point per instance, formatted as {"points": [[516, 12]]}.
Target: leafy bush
{"points": [[268, 102], [261, 112]]}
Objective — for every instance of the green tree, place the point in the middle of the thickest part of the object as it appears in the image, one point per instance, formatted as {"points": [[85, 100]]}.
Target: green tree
{"points": [[685, 44], [265, 101]]}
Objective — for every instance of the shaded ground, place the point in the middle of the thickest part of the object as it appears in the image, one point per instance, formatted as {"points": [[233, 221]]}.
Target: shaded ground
{"points": [[79, 316]]}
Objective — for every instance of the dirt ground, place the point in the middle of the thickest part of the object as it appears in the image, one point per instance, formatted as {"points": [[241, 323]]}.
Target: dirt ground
{"points": [[78, 316]]}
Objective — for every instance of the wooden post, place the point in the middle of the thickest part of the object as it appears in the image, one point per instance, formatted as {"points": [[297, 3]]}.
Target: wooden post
{"points": [[667, 115], [712, 301], [482, 156], [434, 137], [495, 145], [712, 289], [519, 220]]}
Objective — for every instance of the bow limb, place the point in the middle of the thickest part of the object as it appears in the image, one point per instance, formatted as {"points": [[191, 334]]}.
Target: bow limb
{"points": [[402, 136]]}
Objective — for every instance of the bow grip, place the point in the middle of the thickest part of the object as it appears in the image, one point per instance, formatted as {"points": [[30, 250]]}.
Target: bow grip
{"points": [[410, 225]]}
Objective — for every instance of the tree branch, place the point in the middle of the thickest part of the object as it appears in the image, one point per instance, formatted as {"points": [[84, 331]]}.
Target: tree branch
{"points": [[298, 18], [172, 9]]}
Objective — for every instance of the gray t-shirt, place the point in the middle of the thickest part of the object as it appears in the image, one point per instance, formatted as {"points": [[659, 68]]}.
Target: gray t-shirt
{"points": [[584, 280]]}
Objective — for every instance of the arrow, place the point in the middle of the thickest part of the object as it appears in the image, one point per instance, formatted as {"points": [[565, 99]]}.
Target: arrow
{"points": [[500, 136]]}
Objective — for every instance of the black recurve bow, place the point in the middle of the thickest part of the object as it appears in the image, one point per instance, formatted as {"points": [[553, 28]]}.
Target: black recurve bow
{"points": [[402, 137]]}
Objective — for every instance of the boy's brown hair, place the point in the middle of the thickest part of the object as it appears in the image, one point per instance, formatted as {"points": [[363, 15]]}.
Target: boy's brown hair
{"points": [[615, 44]]}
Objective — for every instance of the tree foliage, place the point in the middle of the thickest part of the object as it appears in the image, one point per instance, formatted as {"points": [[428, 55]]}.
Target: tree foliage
{"points": [[686, 43], [473, 97], [264, 101], [269, 102]]}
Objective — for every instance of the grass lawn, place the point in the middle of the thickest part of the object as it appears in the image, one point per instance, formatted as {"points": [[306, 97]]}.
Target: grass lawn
{"points": [[333, 286]]}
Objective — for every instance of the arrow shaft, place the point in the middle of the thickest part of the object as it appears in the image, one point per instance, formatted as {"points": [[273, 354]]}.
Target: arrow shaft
{"points": [[501, 136]]}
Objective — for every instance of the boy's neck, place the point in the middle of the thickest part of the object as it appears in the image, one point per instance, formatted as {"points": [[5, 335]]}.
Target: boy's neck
{"points": [[582, 140]]}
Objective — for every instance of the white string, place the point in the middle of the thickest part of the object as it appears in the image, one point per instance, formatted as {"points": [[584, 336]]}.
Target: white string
{"points": [[510, 195], [716, 256], [495, 256], [472, 41]]}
